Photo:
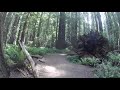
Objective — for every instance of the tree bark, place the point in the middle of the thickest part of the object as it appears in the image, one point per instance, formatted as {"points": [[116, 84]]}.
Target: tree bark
{"points": [[40, 23], [68, 34], [97, 29], [4, 72], [57, 27], [47, 27], [99, 22], [61, 34], [7, 25], [14, 30], [74, 29]]}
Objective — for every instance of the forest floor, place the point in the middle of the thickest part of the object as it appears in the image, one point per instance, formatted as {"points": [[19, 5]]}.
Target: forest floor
{"points": [[56, 66]]}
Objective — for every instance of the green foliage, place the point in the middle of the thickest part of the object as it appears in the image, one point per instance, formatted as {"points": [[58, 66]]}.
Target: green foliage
{"points": [[12, 52], [74, 59], [43, 50], [90, 61], [9, 61], [114, 58], [107, 71], [35, 51]]}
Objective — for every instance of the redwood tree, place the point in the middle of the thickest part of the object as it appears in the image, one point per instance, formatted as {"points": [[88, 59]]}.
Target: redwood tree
{"points": [[61, 34]]}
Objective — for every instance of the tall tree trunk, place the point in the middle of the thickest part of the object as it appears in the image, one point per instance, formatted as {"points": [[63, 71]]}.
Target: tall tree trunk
{"points": [[99, 22], [96, 21], [47, 27], [57, 23], [7, 25], [93, 27], [118, 17], [61, 34], [4, 73], [4, 18], [79, 30], [34, 31], [39, 30], [109, 29], [74, 29], [40, 23], [68, 34], [14, 30]]}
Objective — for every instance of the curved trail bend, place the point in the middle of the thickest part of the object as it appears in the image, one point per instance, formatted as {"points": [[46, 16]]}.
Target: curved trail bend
{"points": [[56, 66]]}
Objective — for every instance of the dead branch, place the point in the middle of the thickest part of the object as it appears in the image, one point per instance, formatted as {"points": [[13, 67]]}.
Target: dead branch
{"points": [[29, 58], [37, 56]]}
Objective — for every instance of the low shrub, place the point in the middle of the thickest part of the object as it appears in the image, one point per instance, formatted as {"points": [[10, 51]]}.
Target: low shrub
{"points": [[43, 50], [106, 70], [37, 51], [74, 59], [90, 61], [114, 58], [110, 68], [12, 52]]}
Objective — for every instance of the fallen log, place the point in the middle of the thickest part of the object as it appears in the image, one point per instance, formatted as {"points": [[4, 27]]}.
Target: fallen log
{"points": [[29, 58]]}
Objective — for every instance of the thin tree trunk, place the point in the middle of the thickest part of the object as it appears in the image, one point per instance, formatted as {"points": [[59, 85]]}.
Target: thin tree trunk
{"points": [[47, 27], [33, 38], [57, 28], [97, 29], [79, 25], [39, 26]]}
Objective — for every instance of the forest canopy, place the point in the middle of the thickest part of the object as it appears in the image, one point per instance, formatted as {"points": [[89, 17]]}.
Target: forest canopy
{"points": [[43, 27]]}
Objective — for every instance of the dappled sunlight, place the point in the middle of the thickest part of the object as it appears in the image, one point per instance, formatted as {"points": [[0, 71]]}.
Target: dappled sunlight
{"points": [[48, 71], [63, 54], [42, 47]]}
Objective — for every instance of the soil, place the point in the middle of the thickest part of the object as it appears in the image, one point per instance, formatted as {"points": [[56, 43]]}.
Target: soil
{"points": [[56, 66]]}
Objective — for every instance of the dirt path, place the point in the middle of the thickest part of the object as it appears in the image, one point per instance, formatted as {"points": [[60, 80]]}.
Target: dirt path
{"points": [[56, 66]]}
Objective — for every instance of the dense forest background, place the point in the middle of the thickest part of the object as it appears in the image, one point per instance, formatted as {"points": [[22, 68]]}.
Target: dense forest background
{"points": [[43, 27], [56, 29]]}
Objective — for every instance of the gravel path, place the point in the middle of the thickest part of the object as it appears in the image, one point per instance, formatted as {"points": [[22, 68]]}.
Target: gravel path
{"points": [[56, 66]]}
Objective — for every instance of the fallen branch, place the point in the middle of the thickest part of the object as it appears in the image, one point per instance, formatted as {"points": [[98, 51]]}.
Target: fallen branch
{"points": [[40, 60], [29, 58], [37, 56], [21, 71]]}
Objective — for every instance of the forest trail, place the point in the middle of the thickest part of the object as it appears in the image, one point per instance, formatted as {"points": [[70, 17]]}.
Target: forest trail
{"points": [[56, 66]]}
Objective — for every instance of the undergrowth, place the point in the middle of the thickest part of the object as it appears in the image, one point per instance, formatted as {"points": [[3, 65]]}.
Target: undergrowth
{"points": [[14, 55], [109, 68], [89, 61], [44, 51]]}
